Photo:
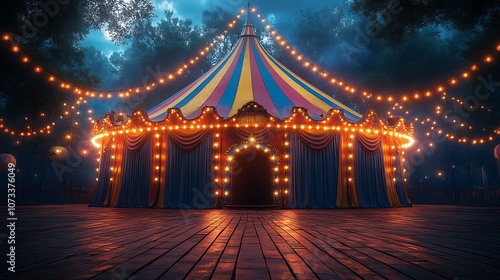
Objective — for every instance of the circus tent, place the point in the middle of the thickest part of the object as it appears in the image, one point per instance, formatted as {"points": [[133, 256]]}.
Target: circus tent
{"points": [[251, 132]]}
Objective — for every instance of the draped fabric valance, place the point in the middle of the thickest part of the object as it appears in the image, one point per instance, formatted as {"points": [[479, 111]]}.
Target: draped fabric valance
{"points": [[315, 140], [134, 141], [188, 141], [369, 143]]}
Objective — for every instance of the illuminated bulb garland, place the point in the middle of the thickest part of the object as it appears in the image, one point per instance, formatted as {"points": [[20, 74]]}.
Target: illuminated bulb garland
{"points": [[349, 88], [282, 42], [125, 93], [440, 89], [271, 152], [83, 93], [118, 93], [48, 127], [432, 125]]}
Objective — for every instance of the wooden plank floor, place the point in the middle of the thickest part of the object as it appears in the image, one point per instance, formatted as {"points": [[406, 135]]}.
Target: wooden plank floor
{"points": [[422, 242]]}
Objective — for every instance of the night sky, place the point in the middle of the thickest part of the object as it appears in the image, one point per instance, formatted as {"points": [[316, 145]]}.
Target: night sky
{"points": [[276, 11]]}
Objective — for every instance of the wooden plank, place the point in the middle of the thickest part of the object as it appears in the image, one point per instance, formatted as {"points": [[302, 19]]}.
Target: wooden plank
{"points": [[421, 242]]}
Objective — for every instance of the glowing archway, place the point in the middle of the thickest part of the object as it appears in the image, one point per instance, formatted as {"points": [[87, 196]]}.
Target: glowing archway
{"points": [[234, 150]]}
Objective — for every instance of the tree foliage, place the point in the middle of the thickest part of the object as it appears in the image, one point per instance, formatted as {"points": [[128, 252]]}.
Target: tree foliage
{"points": [[118, 17], [51, 33], [469, 16]]}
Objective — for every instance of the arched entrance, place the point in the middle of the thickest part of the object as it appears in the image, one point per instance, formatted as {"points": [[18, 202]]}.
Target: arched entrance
{"points": [[251, 178]]}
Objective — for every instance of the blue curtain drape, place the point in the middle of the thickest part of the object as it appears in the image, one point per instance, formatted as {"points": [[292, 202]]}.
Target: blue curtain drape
{"points": [[314, 173], [136, 176], [403, 197], [370, 176], [103, 178], [188, 182]]}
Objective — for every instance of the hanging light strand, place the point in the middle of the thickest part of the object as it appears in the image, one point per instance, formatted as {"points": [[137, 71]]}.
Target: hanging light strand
{"points": [[350, 88], [117, 93]]}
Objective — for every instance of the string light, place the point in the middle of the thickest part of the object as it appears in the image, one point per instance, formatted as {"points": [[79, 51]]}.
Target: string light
{"points": [[48, 126], [348, 88], [127, 93], [298, 115], [117, 93]]}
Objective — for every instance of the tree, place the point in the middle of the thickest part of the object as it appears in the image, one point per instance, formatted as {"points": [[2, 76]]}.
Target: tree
{"points": [[399, 20], [99, 65], [50, 32], [118, 17], [213, 24]]}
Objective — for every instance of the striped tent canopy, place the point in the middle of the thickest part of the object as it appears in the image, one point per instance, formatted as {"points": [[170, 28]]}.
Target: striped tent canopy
{"points": [[250, 73]]}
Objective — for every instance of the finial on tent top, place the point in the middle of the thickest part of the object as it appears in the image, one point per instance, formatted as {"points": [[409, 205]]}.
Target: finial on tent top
{"points": [[249, 21], [248, 30]]}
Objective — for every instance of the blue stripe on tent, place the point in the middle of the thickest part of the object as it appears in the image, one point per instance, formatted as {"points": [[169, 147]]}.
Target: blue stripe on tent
{"points": [[227, 98], [348, 115], [279, 98]]}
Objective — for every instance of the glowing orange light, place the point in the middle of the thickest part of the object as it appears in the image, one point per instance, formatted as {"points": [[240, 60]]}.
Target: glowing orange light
{"points": [[488, 59]]}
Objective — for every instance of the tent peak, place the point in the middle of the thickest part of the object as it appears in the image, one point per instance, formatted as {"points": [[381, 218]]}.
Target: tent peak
{"points": [[249, 29], [249, 20]]}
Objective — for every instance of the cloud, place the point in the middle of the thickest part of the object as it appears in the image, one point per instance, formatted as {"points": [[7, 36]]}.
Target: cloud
{"points": [[166, 5], [102, 41], [106, 35]]}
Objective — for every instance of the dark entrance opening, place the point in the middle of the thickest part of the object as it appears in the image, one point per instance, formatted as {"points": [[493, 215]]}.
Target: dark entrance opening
{"points": [[251, 178]]}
